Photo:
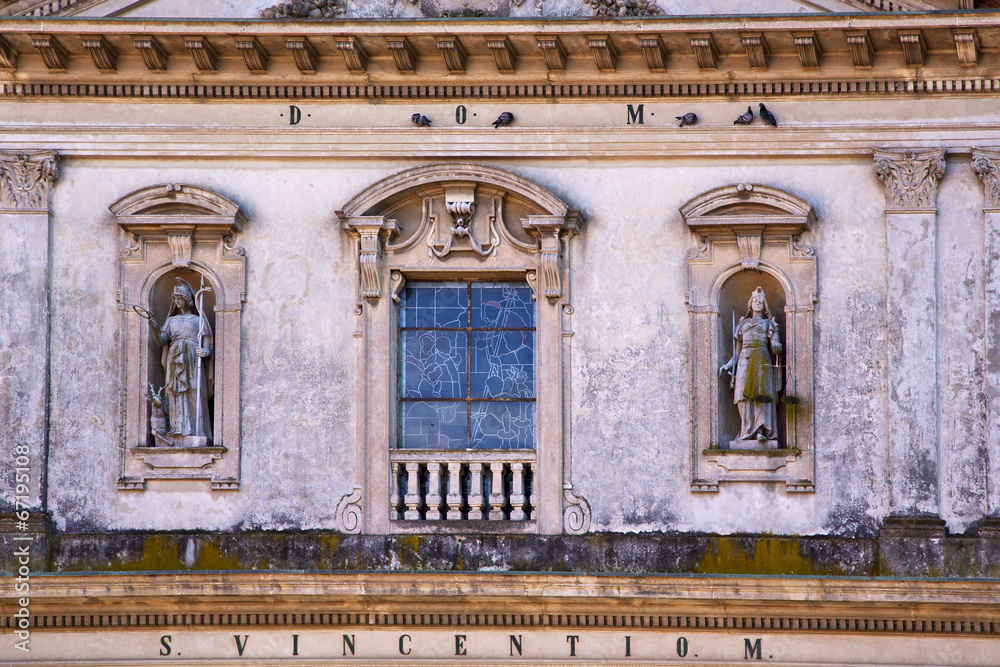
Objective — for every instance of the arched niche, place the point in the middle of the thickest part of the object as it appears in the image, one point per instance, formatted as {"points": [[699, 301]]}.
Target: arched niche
{"points": [[460, 222], [180, 232], [750, 235]]}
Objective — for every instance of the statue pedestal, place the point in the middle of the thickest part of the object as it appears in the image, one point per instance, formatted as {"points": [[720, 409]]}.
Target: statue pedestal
{"points": [[753, 444], [167, 440], [178, 457]]}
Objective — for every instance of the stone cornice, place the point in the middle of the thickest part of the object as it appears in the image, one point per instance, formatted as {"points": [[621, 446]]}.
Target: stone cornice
{"points": [[123, 66], [887, 605]]}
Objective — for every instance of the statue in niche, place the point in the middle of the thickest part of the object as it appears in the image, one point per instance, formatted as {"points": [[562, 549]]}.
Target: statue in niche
{"points": [[754, 374], [186, 339]]}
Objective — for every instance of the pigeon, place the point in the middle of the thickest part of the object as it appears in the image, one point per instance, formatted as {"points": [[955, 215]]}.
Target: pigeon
{"points": [[420, 120], [687, 119], [745, 119], [506, 118], [767, 116]]}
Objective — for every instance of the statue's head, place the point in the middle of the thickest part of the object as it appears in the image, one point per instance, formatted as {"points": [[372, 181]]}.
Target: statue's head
{"points": [[758, 303], [182, 294]]}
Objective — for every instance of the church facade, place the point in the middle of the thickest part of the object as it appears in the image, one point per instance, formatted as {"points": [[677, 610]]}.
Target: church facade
{"points": [[500, 332]]}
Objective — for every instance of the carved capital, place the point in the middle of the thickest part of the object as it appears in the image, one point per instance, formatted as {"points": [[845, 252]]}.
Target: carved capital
{"points": [[985, 165], [576, 514], [25, 179], [348, 516], [910, 178], [371, 232]]}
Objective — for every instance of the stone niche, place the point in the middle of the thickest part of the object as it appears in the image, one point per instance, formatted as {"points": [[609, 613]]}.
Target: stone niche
{"points": [[180, 235], [750, 236]]}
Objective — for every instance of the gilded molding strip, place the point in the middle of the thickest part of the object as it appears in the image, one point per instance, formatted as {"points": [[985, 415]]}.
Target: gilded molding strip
{"points": [[989, 86]]}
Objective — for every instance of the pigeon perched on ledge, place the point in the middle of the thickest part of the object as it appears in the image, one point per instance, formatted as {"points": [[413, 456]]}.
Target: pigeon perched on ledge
{"points": [[506, 118], [767, 116], [687, 119], [745, 119], [420, 120]]}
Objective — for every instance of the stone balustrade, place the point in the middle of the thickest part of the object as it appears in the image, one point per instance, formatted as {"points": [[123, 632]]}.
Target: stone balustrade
{"points": [[462, 485]]}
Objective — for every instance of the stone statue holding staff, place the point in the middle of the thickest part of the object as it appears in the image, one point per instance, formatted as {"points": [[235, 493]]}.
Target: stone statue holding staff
{"points": [[186, 339], [754, 374]]}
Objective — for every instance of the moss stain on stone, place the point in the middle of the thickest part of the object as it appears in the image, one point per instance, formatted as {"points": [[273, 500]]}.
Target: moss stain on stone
{"points": [[213, 558], [763, 555], [159, 552]]}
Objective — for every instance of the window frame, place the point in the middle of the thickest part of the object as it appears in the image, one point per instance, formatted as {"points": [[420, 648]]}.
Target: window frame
{"points": [[447, 197]]}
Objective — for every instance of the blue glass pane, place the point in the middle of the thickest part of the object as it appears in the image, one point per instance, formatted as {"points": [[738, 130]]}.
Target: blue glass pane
{"points": [[433, 425], [503, 364], [502, 306], [434, 364], [434, 305], [503, 425]]}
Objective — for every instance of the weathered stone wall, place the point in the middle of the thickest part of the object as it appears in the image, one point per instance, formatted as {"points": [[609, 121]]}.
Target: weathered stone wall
{"points": [[631, 445]]}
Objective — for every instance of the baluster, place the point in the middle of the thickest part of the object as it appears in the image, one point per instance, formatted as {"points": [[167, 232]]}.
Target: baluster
{"points": [[454, 490], [412, 492], [394, 498], [476, 494], [517, 493], [533, 499], [496, 493], [434, 491]]}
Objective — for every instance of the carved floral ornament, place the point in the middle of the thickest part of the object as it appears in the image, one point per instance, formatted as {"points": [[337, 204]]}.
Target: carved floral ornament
{"points": [[25, 179], [910, 177]]}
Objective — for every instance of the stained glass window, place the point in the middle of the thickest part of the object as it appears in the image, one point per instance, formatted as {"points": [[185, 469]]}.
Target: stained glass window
{"points": [[467, 366]]}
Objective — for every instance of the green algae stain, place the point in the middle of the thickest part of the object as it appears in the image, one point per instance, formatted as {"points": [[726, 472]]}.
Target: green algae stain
{"points": [[763, 555], [211, 557], [159, 552]]}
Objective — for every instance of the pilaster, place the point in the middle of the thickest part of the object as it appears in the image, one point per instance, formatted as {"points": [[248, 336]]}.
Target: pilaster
{"points": [[911, 179], [25, 182], [986, 164]]}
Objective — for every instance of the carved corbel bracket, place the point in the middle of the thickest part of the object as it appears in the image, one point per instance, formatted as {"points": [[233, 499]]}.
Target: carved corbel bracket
{"points": [[26, 178], [576, 515], [910, 177], [985, 164], [371, 232], [551, 231]]}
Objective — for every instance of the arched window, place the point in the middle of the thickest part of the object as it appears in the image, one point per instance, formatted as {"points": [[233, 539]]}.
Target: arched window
{"points": [[463, 317]]}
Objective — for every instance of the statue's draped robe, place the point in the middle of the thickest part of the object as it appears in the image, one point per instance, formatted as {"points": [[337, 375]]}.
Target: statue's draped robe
{"points": [[180, 362], [756, 378]]}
